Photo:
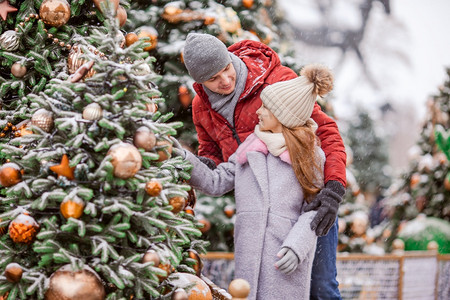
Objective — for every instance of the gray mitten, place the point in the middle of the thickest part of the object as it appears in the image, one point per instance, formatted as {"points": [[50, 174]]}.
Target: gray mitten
{"points": [[288, 262]]}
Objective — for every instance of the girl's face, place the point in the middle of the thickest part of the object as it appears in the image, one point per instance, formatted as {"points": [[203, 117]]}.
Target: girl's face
{"points": [[223, 82], [267, 121]]}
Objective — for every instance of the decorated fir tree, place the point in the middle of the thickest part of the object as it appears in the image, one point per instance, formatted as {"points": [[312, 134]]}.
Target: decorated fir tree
{"points": [[424, 189], [94, 204]]}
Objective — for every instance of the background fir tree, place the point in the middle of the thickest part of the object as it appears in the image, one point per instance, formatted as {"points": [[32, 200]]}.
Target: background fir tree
{"points": [[424, 187], [92, 188]]}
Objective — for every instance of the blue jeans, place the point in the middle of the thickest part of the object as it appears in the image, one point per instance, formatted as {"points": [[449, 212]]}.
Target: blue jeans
{"points": [[323, 280]]}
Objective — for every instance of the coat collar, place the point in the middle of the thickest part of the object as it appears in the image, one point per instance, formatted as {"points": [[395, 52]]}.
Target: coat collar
{"points": [[254, 144]]}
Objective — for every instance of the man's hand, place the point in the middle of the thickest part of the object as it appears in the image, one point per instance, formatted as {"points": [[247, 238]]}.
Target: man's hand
{"points": [[326, 203], [288, 262]]}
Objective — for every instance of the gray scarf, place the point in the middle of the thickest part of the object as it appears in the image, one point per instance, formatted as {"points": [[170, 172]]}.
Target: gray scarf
{"points": [[225, 104]]}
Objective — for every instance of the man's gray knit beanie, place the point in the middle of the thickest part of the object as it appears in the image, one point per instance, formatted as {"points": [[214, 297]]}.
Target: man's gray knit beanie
{"points": [[204, 56]]}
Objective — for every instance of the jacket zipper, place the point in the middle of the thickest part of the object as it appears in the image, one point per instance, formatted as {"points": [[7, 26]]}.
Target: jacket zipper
{"points": [[235, 135]]}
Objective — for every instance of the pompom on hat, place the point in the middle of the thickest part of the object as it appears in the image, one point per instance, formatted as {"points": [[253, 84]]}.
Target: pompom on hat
{"points": [[204, 56], [292, 101]]}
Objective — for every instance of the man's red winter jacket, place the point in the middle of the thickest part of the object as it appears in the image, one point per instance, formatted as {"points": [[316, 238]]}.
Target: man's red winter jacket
{"points": [[218, 139]]}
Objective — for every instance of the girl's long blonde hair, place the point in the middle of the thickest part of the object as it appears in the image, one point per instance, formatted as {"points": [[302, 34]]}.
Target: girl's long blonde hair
{"points": [[301, 144]]}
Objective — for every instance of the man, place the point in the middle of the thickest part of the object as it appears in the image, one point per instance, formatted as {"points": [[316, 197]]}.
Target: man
{"points": [[228, 86]]}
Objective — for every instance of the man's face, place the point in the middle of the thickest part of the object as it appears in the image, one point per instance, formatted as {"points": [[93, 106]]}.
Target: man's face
{"points": [[223, 82]]}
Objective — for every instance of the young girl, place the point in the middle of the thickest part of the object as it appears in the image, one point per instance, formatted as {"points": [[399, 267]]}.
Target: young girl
{"points": [[275, 172]]}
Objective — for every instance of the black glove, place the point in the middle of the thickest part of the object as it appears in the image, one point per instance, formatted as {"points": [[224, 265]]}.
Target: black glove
{"points": [[326, 203], [207, 161]]}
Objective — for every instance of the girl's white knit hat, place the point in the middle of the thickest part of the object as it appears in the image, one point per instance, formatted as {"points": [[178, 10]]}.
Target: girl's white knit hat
{"points": [[292, 101]]}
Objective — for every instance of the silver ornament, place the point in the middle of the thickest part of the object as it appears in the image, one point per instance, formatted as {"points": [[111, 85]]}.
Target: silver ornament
{"points": [[9, 41], [93, 112], [141, 69], [43, 119]]}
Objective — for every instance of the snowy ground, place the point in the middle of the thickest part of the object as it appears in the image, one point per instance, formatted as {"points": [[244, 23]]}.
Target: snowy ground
{"points": [[405, 53]]}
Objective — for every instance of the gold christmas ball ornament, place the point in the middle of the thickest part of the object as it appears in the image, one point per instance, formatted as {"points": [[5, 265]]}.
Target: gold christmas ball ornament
{"points": [[144, 138], [98, 4], [72, 208], [126, 160], [55, 12], [13, 272], [153, 188], [9, 41], [151, 256], [75, 61], [131, 38], [92, 112], [18, 70], [151, 107], [239, 288], [200, 291], [180, 294], [10, 174], [68, 284], [398, 244], [23, 229], [152, 34], [121, 16], [43, 119], [178, 203]]}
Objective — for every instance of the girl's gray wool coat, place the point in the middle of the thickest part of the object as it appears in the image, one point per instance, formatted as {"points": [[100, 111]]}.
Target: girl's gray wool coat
{"points": [[269, 201]]}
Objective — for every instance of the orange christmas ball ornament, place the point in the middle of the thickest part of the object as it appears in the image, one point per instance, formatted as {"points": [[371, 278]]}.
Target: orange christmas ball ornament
{"points": [[131, 38], [72, 208], [200, 291], [184, 96], [166, 267], [415, 179], [198, 266], [164, 150], [247, 3], [153, 188], [206, 225], [447, 182], [152, 34], [10, 174], [23, 229], [189, 211], [178, 203], [229, 211]]}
